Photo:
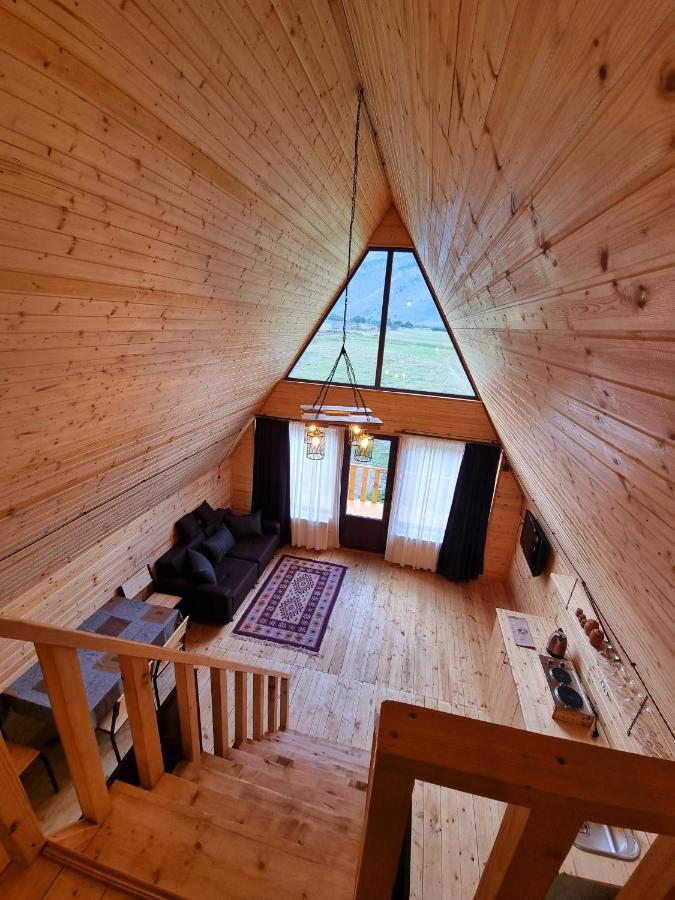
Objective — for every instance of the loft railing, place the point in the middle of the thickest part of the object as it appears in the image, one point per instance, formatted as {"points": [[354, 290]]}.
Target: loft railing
{"points": [[56, 648], [368, 489], [551, 786]]}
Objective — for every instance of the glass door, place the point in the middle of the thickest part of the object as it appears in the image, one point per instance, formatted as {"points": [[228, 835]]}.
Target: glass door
{"points": [[366, 496]]}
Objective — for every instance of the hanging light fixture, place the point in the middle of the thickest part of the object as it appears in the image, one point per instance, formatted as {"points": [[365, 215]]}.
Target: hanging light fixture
{"points": [[363, 447], [358, 418], [316, 444]]}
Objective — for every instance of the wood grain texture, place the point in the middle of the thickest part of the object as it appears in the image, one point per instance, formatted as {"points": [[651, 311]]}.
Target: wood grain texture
{"points": [[83, 583], [175, 182], [529, 150]]}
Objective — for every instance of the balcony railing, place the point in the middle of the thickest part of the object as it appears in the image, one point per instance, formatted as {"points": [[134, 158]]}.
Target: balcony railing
{"points": [[363, 496]]}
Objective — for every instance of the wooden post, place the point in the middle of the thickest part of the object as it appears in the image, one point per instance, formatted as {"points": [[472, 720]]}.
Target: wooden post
{"points": [[376, 485], [20, 832], [387, 816], [531, 846], [68, 700], [654, 877], [186, 694], [258, 707], [283, 705], [271, 704], [142, 720], [221, 737], [240, 709], [352, 482], [363, 495]]}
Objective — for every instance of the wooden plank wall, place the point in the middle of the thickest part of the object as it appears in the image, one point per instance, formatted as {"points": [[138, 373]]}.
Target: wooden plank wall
{"points": [[530, 152], [443, 416], [83, 583], [175, 186]]}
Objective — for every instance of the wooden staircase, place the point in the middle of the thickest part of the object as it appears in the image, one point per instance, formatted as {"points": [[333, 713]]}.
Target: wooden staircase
{"points": [[279, 818]]}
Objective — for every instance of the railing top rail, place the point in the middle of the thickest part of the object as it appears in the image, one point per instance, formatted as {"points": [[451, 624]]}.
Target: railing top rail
{"points": [[55, 636], [527, 769]]}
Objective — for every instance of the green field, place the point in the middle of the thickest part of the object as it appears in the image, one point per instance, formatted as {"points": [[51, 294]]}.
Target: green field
{"points": [[415, 359]]}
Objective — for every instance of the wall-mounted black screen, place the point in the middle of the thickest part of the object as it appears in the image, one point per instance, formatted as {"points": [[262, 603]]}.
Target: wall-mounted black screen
{"points": [[535, 544]]}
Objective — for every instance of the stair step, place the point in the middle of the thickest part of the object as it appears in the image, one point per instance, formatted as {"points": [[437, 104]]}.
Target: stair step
{"points": [[189, 853], [231, 786], [302, 833], [335, 794], [341, 751], [334, 764], [304, 761], [301, 773]]}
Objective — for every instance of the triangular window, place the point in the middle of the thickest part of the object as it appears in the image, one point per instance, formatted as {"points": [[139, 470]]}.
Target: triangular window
{"points": [[408, 348]]}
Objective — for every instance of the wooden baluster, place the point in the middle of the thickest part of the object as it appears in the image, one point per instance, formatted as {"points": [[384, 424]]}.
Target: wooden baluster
{"points": [[240, 709], [20, 832], [387, 815], [283, 705], [258, 707], [531, 846], [221, 737], [271, 704], [376, 486], [188, 712], [654, 877], [363, 496], [352, 481], [70, 709], [142, 720]]}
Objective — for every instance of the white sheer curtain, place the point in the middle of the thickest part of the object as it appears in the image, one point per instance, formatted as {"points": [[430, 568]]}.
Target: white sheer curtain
{"points": [[426, 476], [315, 490]]}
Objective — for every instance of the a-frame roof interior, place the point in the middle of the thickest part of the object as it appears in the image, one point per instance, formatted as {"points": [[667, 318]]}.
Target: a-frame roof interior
{"points": [[175, 181]]}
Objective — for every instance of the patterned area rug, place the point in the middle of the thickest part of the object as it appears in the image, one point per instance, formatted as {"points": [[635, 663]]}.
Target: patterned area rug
{"points": [[294, 605]]}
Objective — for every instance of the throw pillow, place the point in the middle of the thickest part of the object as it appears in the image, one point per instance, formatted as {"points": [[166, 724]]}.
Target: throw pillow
{"points": [[206, 515], [219, 544], [188, 528], [245, 526], [202, 570]]}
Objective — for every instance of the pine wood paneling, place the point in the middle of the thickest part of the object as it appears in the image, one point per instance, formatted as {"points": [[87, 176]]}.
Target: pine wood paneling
{"points": [[502, 531], [241, 468], [465, 420], [529, 149], [81, 584], [175, 181]]}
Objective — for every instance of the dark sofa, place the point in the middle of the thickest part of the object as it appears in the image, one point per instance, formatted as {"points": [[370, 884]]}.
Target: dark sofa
{"points": [[236, 570]]}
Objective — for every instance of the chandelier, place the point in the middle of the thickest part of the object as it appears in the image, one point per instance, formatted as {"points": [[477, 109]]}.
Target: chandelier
{"points": [[358, 419]]}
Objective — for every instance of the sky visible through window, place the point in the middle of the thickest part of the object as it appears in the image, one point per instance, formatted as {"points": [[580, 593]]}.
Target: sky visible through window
{"points": [[418, 352]]}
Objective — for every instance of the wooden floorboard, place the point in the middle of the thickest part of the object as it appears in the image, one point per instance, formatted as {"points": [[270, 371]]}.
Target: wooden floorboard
{"points": [[394, 634]]}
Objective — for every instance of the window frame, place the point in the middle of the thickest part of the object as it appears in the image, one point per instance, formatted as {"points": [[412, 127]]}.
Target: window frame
{"points": [[377, 386]]}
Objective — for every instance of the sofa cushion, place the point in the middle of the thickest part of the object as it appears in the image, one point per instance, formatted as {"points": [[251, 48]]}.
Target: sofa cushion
{"points": [[188, 528], [174, 563], [248, 526], [218, 544], [202, 568], [236, 576], [206, 515], [258, 550]]}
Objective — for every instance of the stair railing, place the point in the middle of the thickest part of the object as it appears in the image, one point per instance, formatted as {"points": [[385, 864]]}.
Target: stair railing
{"points": [[551, 786], [56, 649]]}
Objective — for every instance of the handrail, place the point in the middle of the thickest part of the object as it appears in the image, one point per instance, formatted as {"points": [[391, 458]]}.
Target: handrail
{"points": [[56, 650], [56, 636], [543, 779]]}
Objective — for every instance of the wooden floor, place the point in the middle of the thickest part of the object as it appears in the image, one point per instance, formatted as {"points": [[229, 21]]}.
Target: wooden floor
{"points": [[394, 634]]}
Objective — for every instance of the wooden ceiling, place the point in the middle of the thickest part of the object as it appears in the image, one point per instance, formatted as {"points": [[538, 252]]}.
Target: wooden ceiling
{"points": [[175, 180], [176, 183], [530, 149]]}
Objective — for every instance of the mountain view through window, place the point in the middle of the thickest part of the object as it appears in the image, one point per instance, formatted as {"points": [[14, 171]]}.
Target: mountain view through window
{"points": [[418, 352]]}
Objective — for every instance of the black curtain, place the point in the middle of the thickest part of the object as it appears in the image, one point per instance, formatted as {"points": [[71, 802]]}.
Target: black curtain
{"points": [[461, 554], [271, 474]]}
